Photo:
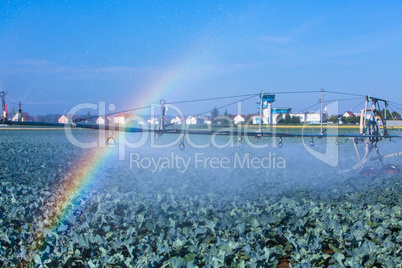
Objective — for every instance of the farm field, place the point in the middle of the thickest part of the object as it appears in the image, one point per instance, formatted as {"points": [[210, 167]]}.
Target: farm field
{"points": [[145, 202]]}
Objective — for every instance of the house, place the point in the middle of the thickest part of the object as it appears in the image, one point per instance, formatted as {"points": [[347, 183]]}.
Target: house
{"points": [[141, 122], [207, 120], [100, 120], [302, 116], [240, 118], [15, 118], [153, 121], [255, 117], [177, 120], [348, 114], [25, 117], [63, 119], [191, 120], [121, 119], [313, 118]]}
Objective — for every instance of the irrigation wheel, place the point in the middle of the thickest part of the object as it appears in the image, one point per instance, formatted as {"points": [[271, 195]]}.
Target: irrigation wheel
{"points": [[390, 170], [368, 171]]}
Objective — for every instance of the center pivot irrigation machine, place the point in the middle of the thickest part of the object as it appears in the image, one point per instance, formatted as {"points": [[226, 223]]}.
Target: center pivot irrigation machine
{"points": [[373, 126]]}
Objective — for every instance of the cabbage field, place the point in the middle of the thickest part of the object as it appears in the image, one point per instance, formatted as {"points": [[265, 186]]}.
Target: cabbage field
{"points": [[65, 206]]}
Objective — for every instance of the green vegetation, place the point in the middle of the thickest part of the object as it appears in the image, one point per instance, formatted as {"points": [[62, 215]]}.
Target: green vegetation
{"points": [[288, 119]]}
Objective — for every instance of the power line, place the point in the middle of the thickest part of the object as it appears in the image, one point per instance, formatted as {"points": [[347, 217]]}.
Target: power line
{"points": [[309, 107], [108, 114], [228, 104], [397, 104], [343, 99], [295, 92], [397, 108], [175, 102], [211, 99], [358, 105], [343, 93]]}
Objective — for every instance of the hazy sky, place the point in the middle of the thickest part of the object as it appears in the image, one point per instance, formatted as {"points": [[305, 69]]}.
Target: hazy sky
{"points": [[57, 54]]}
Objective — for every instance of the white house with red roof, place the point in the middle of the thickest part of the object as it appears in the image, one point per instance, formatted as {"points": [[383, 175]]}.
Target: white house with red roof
{"points": [[348, 114], [240, 118]]}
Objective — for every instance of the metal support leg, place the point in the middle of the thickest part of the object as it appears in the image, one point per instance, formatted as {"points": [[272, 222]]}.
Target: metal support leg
{"points": [[378, 154], [360, 164]]}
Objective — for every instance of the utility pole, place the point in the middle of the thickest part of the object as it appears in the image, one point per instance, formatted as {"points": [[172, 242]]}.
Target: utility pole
{"points": [[322, 107], [262, 94], [20, 119], [3, 104]]}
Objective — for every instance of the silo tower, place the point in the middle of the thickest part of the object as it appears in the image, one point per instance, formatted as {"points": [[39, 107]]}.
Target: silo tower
{"points": [[266, 101]]}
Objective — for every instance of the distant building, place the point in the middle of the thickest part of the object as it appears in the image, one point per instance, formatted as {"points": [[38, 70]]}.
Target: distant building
{"points": [[312, 118], [121, 119], [256, 119], [15, 118], [153, 121], [142, 122], [283, 110], [240, 118], [63, 119], [270, 117], [25, 118], [348, 114], [100, 120], [191, 120], [207, 120], [177, 120]]}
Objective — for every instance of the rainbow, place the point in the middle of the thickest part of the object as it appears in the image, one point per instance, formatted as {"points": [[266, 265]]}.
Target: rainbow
{"points": [[68, 195], [71, 190], [170, 79]]}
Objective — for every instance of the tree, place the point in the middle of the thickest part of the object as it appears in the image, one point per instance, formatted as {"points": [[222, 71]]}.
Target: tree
{"points": [[395, 115], [288, 119], [49, 118], [295, 119], [343, 120], [351, 120], [279, 119], [333, 119], [390, 116], [249, 119], [214, 114]]}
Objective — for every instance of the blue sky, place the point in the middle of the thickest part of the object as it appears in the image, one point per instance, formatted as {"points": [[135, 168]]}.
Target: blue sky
{"points": [[57, 54]]}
